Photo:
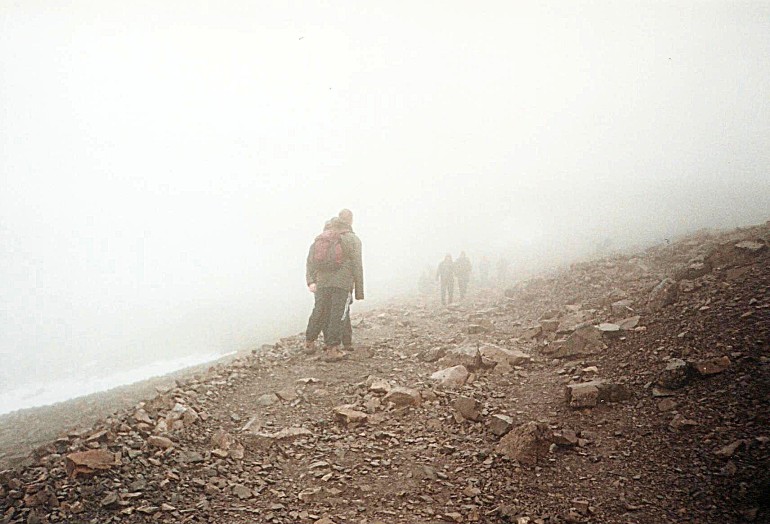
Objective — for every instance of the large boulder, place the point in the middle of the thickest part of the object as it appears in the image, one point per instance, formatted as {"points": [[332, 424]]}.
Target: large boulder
{"points": [[527, 443]]}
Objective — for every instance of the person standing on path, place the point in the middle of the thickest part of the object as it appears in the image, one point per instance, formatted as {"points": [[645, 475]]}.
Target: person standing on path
{"points": [[463, 271], [346, 216], [333, 271], [319, 318], [446, 275]]}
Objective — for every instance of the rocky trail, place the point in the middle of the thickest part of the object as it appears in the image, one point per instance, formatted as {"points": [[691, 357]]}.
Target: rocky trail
{"points": [[633, 389]]}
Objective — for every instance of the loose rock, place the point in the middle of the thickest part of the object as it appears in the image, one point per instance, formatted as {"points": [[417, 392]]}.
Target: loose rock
{"points": [[468, 408], [401, 396], [451, 377], [527, 443]]}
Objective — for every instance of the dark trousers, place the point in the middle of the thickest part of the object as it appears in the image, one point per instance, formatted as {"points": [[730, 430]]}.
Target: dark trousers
{"points": [[447, 288], [347, 327], [329, 313]]}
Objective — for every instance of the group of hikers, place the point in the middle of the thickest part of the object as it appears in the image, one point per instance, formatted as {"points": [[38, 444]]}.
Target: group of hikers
{"points": [[460, 269], [334, 274], [448, 270]]}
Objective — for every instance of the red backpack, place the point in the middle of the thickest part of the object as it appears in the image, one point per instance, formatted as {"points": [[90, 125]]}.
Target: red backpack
{"points": [[326, 251]]}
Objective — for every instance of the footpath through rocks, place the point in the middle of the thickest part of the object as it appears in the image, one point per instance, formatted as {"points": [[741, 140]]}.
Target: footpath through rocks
{"points": [[628, 389]]}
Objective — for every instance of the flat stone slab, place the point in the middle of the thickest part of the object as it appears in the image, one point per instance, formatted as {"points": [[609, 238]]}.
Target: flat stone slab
{"points": [[265, 440], [89, 462]]}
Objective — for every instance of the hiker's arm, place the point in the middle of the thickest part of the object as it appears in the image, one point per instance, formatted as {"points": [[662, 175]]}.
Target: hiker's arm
{"points": [[358, 272], [309, 273]]}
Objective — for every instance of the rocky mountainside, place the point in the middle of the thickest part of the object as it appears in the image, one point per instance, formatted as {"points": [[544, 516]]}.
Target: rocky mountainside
{"points": [[634, 388]]}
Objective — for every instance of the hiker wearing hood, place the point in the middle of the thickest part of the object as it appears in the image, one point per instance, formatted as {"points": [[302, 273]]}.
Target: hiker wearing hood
{"points": [[333, 272], [446, 275]]}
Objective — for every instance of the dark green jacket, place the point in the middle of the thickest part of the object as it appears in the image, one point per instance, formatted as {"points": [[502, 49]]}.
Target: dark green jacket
{"points": [[350, 276]]}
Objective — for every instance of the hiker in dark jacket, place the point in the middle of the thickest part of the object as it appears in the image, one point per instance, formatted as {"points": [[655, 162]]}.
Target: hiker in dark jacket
{"points": [[346, 216], [319, 318], [463, 272], [332, 288], [446, 274]]}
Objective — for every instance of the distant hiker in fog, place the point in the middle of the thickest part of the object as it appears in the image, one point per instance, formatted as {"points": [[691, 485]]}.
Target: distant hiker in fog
{"points": [[446, 274], [502, 271], [463, 271], [333, 272], [484, 267]]}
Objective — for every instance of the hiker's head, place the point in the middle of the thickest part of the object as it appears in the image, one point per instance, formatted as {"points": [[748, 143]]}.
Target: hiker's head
{"points": [[346, 215]]}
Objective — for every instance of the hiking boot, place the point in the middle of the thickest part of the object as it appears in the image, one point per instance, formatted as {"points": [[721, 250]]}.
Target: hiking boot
{"points": [[310, 346], [333, 354]]}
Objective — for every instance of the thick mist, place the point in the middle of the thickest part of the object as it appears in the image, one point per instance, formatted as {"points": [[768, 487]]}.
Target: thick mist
{"points": [[164, 167]]}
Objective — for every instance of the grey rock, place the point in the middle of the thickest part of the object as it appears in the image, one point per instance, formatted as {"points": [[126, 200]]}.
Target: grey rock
{"points": [[451, 377], [242, 492], [268, 399]]}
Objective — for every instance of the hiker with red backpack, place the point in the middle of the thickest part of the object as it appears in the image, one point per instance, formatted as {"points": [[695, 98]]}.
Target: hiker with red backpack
{"points": [[333, 272]]}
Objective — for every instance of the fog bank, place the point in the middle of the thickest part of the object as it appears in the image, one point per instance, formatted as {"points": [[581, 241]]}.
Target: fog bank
{"points": [[164, 167]]}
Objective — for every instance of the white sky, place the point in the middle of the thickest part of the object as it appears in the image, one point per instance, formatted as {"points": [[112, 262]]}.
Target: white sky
{"points": [[167, 162]]}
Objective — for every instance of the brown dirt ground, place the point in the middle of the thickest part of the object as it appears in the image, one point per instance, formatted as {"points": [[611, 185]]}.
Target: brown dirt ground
{"points": [[423, 464]]}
